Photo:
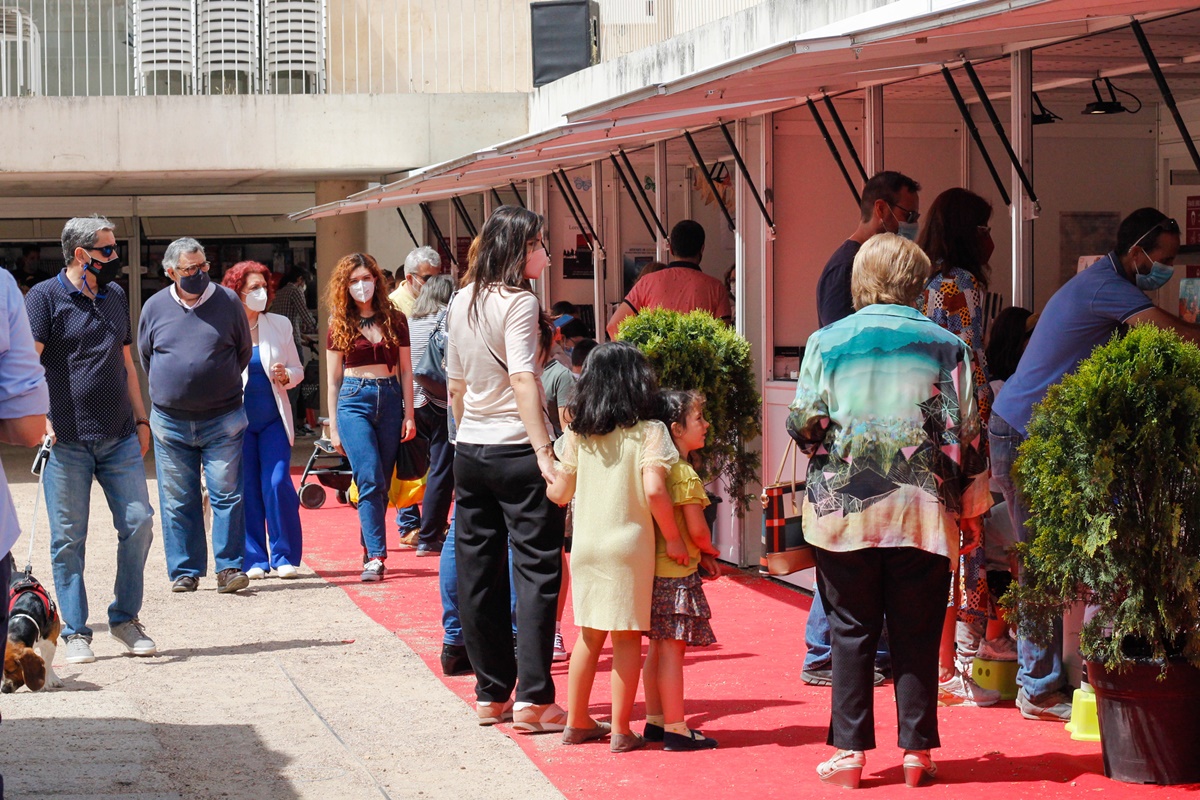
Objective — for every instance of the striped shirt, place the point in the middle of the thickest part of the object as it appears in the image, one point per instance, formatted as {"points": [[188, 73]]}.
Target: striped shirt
{"points": [[419, 331]]}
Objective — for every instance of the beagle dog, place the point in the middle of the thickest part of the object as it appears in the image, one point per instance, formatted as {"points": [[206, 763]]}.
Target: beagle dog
{"points": [[33, 628]]}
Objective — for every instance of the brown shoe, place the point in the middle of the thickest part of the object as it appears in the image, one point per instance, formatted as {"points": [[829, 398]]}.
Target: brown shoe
{"points": [[231, 580], [581, 735], [624, 742], [409, 540]]}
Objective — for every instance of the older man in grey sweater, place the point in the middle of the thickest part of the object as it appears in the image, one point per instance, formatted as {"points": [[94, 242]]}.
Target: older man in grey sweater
{"points": [[194, 342]]}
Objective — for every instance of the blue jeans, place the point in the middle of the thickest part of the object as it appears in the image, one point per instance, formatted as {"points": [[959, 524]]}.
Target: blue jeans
{"points": [[182, 448], [820, 649], [448, 585], [1040, 668], [370, 415], [117, 465]]}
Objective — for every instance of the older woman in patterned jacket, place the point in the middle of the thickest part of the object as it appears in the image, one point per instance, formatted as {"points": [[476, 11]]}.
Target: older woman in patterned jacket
{"points": [[886, 411]]}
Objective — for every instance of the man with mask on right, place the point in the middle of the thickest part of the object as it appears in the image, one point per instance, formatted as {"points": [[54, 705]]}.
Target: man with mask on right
{"points": [[194, 341], [890, 204], [1105, 298]]}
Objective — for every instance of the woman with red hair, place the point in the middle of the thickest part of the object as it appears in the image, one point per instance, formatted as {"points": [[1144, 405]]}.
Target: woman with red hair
{"points": [[272, 506]]}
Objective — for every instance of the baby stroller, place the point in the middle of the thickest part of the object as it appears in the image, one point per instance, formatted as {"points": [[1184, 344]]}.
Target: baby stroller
{"points": [[330, 469]]}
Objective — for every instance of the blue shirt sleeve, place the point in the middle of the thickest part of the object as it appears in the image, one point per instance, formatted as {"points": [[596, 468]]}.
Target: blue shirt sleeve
{"points": [[23, 389], [1118, 299], [37, 307]]}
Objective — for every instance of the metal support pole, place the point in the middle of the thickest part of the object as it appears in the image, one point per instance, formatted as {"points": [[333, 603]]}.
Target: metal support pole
{"points": [[437, 231], [575, 199], [662, 187], [633, 198], [520, 200], [873, 125], [707, 177], [563, 191], [496, 197], [737, 157], [599, 257], [846, 140], [1165, 91], [974, 131], [407, 227], [642, 191], [1023, 208], [837, 157], [985, 101], [461, 208]]}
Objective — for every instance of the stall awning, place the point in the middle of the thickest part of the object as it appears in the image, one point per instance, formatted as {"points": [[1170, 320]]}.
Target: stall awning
{"points": [[850, 55]]}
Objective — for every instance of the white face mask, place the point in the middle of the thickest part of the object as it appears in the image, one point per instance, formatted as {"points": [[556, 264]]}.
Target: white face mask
{"points": [[256, 299], [362, 291]]}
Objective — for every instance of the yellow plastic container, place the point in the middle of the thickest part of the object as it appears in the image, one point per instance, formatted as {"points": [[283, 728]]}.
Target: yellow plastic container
{"points": [[1084, 725], [999, 676]]}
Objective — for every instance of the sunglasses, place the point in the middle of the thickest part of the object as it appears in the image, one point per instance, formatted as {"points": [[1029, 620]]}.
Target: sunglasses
{"points": [[105, 251], [911, 217]]}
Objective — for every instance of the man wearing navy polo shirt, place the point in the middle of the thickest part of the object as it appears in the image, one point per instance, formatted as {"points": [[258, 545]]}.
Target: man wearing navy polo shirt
{"points": [[1107, 297], [80, 322]]}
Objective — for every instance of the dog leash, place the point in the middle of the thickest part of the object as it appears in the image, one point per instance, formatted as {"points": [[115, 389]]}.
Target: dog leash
{"points": [[39, 467]]}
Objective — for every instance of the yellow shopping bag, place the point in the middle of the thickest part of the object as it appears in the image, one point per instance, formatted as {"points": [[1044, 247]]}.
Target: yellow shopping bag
{"points": [[402, 494]]}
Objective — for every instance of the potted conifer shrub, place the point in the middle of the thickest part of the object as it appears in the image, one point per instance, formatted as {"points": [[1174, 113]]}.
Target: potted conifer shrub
{"points": [[1111, 470], [697, 352]]}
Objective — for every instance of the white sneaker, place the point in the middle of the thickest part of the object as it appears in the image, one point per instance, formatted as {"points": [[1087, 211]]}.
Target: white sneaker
{"points": [[79, 650], [999, 649], [287, 571], [133, 636], [256, 573], [962, 690], [560, 647]]}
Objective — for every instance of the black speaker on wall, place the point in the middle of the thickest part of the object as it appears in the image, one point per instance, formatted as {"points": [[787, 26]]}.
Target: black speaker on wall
{"points": [[565, 38]]}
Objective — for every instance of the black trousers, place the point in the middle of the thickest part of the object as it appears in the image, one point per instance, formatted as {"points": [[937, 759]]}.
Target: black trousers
{"points": [[859, 588], [439, 482], [501, 498]]}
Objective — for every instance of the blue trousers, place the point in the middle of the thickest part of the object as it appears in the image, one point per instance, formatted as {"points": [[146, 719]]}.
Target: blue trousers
{"points": [[370, 415], [118, 467], [820, 649], [182, 448], [272, 505]]}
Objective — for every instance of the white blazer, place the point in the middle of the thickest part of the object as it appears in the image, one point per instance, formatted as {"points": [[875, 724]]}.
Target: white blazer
{"points": [[276, 345]]}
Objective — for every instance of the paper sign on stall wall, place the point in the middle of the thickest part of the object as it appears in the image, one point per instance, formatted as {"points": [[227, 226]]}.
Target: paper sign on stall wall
{"points": [[1192, 228], [1189, 288]]}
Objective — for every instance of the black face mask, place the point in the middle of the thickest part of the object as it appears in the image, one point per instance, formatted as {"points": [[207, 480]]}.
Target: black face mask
{"points": [[104, 271], [194, 284]]}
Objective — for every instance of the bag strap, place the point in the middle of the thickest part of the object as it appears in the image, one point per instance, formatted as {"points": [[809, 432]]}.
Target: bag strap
{"points": [[794, 452]]}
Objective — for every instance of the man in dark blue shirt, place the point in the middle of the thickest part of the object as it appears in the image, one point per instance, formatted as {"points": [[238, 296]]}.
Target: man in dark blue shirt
{"points": [[890, 204], [80, 322], [195, 342]]}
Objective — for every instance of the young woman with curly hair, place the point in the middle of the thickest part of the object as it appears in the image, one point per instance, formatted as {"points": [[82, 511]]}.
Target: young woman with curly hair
{"points": [[370, 391], [272, 506]]}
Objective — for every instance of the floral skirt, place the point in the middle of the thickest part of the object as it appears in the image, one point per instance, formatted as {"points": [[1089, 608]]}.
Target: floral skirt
{"points": [[679, 610]]}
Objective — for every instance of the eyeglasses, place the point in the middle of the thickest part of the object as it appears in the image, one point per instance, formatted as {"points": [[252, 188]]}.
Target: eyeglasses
{"points": [[105, 251], [193, 269], [1166, 225], [911, 217], [984, 230]]}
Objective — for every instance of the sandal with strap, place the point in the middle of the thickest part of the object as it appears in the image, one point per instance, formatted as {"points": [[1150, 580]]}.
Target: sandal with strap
{"points": [[844, 769], [919, 768], [540, 719]]}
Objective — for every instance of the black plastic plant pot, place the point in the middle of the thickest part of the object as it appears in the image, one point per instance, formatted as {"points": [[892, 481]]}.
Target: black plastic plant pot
{"points": [[1149, 729]]}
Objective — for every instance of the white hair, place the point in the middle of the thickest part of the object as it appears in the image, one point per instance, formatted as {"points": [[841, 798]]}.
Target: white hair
{"points": [[422, 255], [178, 248]]}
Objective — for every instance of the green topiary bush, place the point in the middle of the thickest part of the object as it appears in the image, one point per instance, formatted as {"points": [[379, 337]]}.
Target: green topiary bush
{"points": [[697, 352], [1111, 470]]}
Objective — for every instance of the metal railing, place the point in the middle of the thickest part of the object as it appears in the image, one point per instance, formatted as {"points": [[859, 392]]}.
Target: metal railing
{"points": [[183, 47]]}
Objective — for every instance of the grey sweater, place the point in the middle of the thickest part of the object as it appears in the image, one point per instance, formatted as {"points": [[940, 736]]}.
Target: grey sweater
{"points": [[195, 356]]}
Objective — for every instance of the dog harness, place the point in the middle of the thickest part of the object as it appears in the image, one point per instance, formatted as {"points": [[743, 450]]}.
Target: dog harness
{"points": [[30, 585]]}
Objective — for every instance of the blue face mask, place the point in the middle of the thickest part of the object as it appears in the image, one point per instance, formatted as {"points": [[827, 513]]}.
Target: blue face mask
{"points": [[1156, 278], [908, 230]]}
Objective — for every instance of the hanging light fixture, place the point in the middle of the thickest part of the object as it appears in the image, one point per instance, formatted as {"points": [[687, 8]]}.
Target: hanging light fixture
{"points": [[1043, 115], [1112, 105]]}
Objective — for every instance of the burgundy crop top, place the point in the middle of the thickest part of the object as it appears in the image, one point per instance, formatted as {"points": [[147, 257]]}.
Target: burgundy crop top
{"points": [[362, 352]]}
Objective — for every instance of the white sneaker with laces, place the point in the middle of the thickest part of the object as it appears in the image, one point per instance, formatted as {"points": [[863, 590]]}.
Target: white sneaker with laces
{"points": [[79, 650], [962, 690], [372, 571], [133, 635], [999, 649], [560, 647]]}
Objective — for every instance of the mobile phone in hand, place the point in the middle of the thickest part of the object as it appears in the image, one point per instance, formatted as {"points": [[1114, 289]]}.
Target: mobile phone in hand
{"points": [[43, 455]]}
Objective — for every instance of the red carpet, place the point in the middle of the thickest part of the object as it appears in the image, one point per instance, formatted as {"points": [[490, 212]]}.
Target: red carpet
{"points": [[746, 692]]}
